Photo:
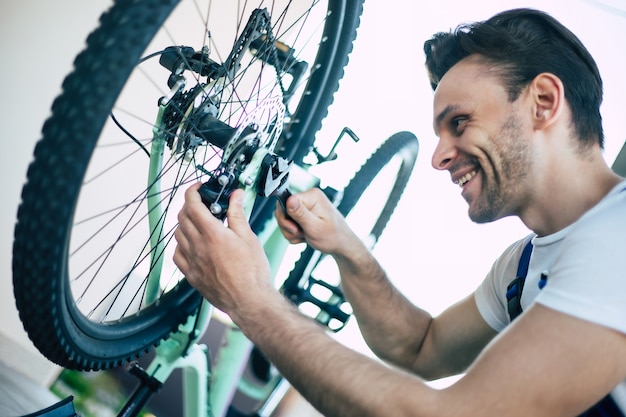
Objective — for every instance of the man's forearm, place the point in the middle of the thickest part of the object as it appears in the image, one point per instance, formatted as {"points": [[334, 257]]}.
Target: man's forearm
{"points": [[391, 325], [336, 380]]}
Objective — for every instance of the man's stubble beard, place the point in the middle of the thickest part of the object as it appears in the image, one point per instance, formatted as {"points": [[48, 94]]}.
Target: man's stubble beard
{"points": [[501, 191]]}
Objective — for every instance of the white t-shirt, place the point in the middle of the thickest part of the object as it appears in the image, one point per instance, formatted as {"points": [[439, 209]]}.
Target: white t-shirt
{"points": [[586, 268]]}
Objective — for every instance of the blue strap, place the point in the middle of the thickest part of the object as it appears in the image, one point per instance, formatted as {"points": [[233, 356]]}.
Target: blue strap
{"points": [[605, 408], [515, 288], [524, 261]]}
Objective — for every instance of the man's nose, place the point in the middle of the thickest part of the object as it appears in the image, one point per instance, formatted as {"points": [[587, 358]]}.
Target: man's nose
{"points": [[444, 153]]}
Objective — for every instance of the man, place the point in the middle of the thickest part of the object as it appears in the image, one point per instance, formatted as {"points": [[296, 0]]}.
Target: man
{"points": [[516, 110]]}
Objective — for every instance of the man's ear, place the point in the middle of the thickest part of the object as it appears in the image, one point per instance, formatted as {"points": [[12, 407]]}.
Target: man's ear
{"points": [[548, 99]]}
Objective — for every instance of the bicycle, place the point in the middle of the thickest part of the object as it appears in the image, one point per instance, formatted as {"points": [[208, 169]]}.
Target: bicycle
{"points": [[234, 105]]}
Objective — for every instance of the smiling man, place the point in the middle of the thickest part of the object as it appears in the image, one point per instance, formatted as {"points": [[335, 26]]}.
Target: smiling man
{"points": [[491, 173], [516, 110]]}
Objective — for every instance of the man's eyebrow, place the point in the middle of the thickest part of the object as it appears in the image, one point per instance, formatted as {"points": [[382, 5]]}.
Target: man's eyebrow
{"points": [[442, 115]]}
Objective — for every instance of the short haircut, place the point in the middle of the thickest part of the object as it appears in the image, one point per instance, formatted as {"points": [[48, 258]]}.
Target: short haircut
{"points": [[521, 44]]}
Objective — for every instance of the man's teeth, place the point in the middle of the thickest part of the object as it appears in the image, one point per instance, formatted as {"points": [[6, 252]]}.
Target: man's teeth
{"points": [[465, 178]]}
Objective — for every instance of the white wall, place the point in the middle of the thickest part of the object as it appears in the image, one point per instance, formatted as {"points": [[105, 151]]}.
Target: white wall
{"points": [[38, 42]]}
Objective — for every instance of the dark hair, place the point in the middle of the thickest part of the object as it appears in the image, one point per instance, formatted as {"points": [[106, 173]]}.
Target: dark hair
{"points": [[522, 43]]}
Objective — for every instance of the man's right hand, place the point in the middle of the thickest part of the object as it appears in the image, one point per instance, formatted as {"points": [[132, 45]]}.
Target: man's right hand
{"points": [[316, 221]]}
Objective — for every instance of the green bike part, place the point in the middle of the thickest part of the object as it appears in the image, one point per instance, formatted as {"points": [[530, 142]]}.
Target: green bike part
{"points": [[155, 212]]}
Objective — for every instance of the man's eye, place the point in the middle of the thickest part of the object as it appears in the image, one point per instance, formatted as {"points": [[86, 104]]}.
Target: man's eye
{"points": [[457, 123]]}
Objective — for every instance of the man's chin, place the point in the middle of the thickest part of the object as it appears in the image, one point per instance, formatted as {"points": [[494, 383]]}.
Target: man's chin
{"points": [[482, 215]]}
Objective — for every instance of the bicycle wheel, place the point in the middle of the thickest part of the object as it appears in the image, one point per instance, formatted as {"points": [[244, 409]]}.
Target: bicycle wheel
{"points": [[368, 203], [164, 95]]}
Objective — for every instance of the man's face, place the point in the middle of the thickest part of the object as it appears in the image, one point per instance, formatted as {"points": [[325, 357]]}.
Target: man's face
{"points": [[483, 140]]}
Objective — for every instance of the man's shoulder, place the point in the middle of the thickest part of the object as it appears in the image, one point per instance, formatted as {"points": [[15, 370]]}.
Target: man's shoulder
{"points": [[607, 218]]}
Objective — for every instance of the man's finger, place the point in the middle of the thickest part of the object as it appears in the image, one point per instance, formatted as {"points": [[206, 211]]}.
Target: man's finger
{"points": [[237, 220], [180, 260], [297, 210], [286, 223]]}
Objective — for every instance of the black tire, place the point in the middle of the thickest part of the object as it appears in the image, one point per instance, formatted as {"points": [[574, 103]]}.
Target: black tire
{"points": [[402, 145], [369, 224], [51, 280]]}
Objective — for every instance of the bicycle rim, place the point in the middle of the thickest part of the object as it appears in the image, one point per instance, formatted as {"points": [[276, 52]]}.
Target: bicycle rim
{"points": [[99, 209]]}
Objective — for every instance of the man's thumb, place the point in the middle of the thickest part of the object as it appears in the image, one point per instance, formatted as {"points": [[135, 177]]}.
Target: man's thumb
{"points": [[298, 211], [236, 214]]}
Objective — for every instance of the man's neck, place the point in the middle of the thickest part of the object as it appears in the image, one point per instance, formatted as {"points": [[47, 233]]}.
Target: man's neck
{"points": [[568, 193]]}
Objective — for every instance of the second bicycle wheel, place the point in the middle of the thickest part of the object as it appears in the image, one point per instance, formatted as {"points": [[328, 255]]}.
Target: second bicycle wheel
{"points": [[164, 95], [368, 202], [313, 284]]}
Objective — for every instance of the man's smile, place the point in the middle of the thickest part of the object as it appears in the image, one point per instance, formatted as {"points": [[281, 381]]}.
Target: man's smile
{"points": [[465, 178]]}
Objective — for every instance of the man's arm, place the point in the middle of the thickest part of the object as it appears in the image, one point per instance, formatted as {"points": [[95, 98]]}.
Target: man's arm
{"points": [[395, 329], [546, 363]]}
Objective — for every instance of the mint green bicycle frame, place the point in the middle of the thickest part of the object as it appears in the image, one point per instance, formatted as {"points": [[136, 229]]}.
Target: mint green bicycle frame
{"points": [[181, 350]]}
